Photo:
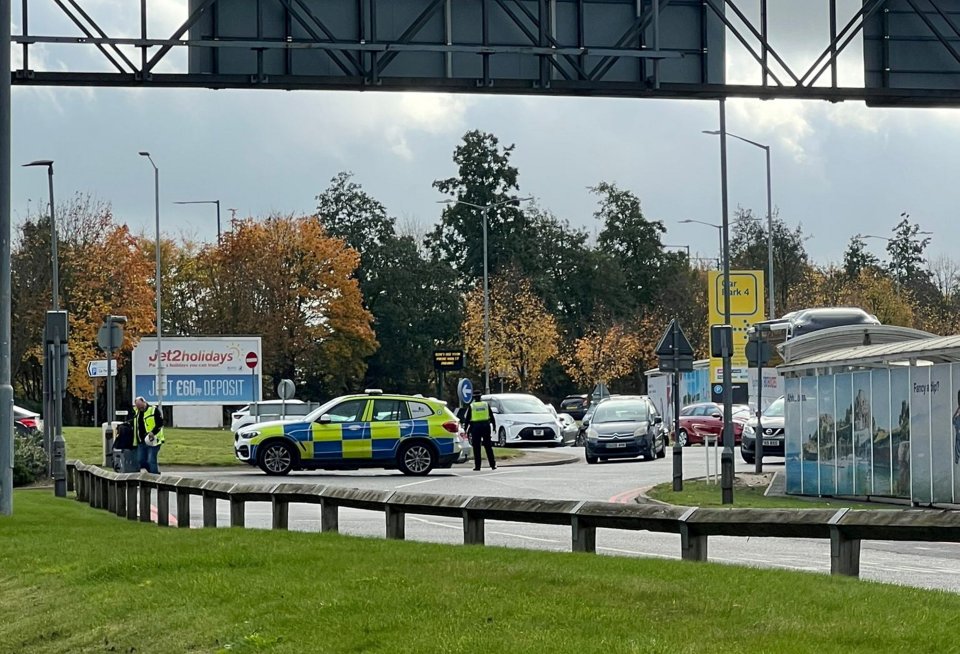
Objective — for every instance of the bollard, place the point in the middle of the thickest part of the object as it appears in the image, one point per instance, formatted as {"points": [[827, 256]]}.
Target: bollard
{"points": [[59, 466]]}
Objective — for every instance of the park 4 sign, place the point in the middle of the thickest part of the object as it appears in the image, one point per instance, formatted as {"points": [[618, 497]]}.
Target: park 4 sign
{"points": [[746, 307]]}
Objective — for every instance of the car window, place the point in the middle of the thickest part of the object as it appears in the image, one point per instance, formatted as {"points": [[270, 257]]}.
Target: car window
{"points": [[384, 410], [620, 412], [349, 411], [522, 405], [419, 410], [687, 410], [705, 410], [775, 410]]}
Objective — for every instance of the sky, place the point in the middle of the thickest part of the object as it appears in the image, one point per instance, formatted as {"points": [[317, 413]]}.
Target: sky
{"points": [[838, 169]]}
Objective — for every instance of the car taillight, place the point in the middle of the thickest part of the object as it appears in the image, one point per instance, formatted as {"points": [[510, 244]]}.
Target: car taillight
{"points": [[452, 426]]}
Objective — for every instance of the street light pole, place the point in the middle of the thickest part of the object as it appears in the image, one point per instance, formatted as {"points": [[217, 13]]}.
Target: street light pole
{"points": [[484, 210], [766, 148], [216, 202], [6, 388], [726, 458], [719, 229], [156, 195], [55, 258]]}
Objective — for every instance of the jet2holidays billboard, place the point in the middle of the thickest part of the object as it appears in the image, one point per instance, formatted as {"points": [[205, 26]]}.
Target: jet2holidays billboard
{"points": [[199, 370]]}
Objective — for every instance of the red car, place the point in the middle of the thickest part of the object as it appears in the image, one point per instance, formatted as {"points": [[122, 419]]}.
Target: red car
{"points": [[699, 421]]}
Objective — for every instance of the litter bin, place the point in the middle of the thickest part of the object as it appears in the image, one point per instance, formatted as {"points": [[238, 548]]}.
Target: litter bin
{"points": [[124, 453]]}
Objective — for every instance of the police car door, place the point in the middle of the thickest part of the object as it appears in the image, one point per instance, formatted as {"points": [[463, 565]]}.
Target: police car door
{"points": [[341, 432], [385, 419]]}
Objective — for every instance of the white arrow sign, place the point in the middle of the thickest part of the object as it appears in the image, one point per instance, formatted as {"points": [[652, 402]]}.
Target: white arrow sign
{"points": [[98, 368]]}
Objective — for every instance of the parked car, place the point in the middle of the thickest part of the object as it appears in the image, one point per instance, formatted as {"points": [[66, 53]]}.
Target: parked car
{"points": [[698, 422], [369, 430], [575, 405], [581, 439], [242, 418], [625, 427], [27, 418], [568, 426], [521, 419], [772, 422]]}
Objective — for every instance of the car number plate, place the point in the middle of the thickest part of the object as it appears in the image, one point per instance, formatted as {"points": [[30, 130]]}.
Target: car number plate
{"points": [[769, 442], [618, 444], [538, 432]]}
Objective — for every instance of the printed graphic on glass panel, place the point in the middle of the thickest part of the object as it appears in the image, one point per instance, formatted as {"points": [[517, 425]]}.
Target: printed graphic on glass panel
{"points": [[900, 430], [881, 431], [793, 435], [941, 433], [862, 435], [810, 434], [827, 436], [920, 432], [844, 413]]}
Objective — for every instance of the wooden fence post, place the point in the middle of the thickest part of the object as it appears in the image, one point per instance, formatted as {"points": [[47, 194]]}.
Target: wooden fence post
{"points": [[329, 515], [281, 513], [693, 546]]}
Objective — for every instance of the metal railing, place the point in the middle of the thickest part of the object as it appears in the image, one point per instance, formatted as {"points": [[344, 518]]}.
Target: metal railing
{"points": [[130, 495]]}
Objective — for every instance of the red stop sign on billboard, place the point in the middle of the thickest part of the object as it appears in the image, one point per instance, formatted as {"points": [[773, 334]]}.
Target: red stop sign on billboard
{"points": [[252, 360]]}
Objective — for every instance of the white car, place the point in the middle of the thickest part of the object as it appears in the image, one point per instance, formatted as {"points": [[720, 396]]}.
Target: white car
{"points": [[242, 417], [523, 419]]}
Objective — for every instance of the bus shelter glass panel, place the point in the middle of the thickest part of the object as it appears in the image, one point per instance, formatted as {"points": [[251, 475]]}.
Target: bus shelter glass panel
{"points": [[862, 435], [793, 439], [918, 409], [880, 428], [900, 430], [844, 413], [941, 433], [955, 428], [809, 434], [827, 435]]}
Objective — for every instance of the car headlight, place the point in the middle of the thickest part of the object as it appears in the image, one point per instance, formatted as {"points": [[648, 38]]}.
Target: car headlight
{"points": [[249, 434], [748, 430], [592, 435]]}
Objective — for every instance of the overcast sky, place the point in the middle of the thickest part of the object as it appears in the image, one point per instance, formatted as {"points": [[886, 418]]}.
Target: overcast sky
{"points": [[838, 169]]}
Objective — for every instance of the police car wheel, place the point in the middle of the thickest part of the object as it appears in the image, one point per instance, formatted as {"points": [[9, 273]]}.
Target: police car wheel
{"points": [[416, 459], [276, 458]]}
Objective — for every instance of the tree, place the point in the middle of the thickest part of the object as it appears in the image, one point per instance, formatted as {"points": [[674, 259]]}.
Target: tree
{"points": [[632, 240], [523, 335], [749, 250], [485, 178], [603, 355], [944, 272], [415, 306], [286, 279], [857, 258], [906, 248]]}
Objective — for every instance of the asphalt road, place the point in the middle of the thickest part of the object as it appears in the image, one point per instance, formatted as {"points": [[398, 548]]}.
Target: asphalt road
{"points": [[927, 565]]}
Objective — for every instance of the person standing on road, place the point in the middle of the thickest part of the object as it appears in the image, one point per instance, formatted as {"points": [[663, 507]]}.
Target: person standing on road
{"points": [[147, 434], [479, 421]]}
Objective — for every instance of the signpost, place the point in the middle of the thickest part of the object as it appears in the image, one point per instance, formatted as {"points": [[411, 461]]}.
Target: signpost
{"points": [[758, 355], [110, 338], [251, 360], [285, 390], [676, 356]]}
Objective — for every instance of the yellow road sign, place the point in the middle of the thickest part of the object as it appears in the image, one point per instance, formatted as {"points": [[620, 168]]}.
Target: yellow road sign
{"points": [[746, 308]]}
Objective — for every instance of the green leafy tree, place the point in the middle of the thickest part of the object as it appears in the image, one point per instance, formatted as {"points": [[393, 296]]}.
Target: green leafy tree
{"points": [[857, 258]]}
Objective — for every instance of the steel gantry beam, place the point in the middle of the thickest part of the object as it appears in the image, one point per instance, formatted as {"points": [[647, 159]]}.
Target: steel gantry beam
{"points": [[624, 48]]}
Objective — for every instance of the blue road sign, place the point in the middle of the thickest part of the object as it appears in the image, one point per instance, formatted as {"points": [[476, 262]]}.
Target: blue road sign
{"points": [[465, 391]]}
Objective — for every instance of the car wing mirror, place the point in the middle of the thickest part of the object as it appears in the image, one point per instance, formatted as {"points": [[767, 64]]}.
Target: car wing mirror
{"points": [[494, 409], [586, 422], [325, 419], [716, 415], [658, 420]]}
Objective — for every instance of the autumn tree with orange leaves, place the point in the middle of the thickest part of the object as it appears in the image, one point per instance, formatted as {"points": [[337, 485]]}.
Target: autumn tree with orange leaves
{"points": [[603, 354], [102, 271], [286, 280], [523, 335]]}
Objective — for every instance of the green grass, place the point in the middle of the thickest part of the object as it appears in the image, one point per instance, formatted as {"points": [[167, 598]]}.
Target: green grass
{"points": [[184, 447], [123, 586], [700, 493]]}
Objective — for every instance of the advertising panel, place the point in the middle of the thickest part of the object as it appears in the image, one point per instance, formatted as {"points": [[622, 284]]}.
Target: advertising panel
{"points": [[941, 432], [809, 433], [920, 433], [827, 436], [199, 370], [772, 387], [844, 414], [900, 430], [793, 446], [746, 308], [862, 434], [955, 428], [881, 424]]}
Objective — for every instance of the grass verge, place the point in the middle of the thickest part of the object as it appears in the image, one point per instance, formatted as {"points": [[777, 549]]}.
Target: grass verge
{"points": [[183, 447], [123, 586], [701, 493]]}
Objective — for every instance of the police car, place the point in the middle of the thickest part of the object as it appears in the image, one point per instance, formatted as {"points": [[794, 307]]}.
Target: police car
{"points": [[371, 430]]}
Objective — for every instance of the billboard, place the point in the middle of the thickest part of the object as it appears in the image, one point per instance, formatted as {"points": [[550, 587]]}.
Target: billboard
{"points": [[746, 308], [199, 370]]}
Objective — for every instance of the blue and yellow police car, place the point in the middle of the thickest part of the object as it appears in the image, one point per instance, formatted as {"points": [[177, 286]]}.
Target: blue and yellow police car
{"points": [[372, 430]]}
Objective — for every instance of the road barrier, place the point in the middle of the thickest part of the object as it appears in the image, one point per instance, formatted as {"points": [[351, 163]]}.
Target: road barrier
{"points": [[130, 495]]}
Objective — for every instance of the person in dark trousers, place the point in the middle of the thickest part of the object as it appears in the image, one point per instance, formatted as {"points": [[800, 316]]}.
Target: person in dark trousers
{"points": [[147, 434], [479, 420]]}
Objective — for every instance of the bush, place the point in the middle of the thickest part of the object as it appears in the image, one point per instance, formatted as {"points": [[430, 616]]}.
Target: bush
{"points": [[29, 458]]}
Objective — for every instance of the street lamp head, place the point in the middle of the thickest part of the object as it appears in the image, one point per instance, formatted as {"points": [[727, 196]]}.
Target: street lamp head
{"points": [[144, 154], [39, 162], [711, 132]]}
